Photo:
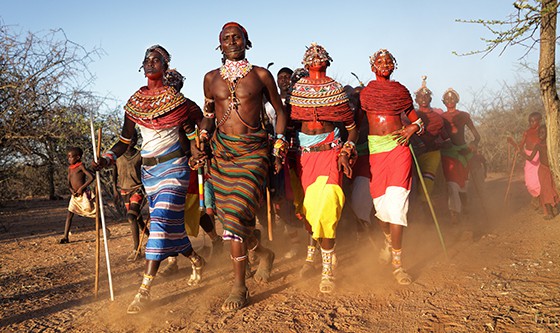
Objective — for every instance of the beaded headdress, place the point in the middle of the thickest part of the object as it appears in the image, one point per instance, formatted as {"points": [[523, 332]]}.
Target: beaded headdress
{"points": [[423, 90], [316, 51], [159, 49], [248, 44], [451, 90], [379, 53]]}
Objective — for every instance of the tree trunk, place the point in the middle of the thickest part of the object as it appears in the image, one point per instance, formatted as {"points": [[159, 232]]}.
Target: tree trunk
{"points": [[547, 80]]}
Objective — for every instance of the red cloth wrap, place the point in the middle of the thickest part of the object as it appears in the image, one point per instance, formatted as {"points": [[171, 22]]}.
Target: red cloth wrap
{"points": [[386, 98]]}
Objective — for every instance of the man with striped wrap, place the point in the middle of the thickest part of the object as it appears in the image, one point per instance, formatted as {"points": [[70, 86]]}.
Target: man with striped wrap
{"points": [[233, 104]]}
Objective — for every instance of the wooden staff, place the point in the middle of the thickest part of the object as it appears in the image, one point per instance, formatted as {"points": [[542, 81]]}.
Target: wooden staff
{"points": [[100, 198], [510, 178], [511, 142], [97, 221], [429, 201]]}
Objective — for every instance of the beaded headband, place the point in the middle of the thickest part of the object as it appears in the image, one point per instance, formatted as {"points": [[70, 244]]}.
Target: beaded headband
{"points": [[159, 49], [423, 90], [379, 53], [240, 27], [316, 51], [451, 90]]}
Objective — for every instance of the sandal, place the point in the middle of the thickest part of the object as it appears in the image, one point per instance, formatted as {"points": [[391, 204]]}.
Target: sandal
{"points": [[385, 255], [237, 299], [327, 285], [196, 274], [307, 269], [403, 278], [139, 303]]}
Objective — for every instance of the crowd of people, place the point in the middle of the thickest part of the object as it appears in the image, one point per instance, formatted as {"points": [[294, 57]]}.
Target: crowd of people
{"points": [[294, 140]]}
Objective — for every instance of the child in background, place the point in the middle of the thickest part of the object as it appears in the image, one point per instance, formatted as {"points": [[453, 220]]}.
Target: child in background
{"points": [[81, 201], [548, 196], [527, 145]]}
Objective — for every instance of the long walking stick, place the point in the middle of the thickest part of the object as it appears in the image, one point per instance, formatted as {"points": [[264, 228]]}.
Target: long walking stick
{"points": [[510, 178], [98, 179], [429, 201], [97, 221]]}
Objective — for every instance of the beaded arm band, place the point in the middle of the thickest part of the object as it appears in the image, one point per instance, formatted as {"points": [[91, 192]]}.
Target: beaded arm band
{"points": [[208, 111], [351, 126], [420, 124], [125, 140], [110, 157]]}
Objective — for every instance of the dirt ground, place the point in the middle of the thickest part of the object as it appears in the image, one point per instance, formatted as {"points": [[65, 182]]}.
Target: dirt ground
{"points": [[501, 274]]}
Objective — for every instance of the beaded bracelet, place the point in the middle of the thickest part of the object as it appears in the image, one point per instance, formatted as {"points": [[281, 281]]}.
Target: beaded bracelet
{"points": [[420, 124], [280, 149], [349, 149], [203, 136], [110, 157], [191, 136]]}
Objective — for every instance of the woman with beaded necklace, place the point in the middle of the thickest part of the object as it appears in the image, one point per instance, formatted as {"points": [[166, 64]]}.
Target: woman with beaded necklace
{"points": [[318, 102], [164, 116]]}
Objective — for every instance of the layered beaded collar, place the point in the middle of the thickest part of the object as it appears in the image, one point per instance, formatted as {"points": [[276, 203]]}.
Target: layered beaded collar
{"points": [[232, 72], [235, 70]]}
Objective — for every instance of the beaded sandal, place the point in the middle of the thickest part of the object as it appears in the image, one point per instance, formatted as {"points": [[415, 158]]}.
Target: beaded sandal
{"points": [[327, 285], [139, 302], [403, 278], [196, 274]]}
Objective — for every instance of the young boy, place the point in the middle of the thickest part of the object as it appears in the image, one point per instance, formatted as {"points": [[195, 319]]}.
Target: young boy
{"points": [[548, 196], [79, 179], [527, 144]]}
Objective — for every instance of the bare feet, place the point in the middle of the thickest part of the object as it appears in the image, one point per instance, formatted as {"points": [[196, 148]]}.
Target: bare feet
{"points": [[237, 299], [262, 275]]}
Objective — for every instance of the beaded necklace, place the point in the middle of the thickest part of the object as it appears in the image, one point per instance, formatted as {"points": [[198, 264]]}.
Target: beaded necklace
{"points": [[232, 72]]}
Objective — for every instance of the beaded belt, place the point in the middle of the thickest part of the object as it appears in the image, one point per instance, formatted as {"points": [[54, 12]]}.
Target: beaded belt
{"points": [[321, 147], [151, 161]]}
